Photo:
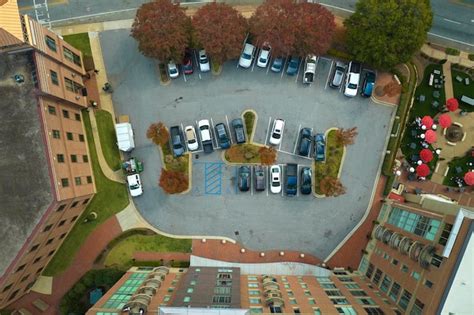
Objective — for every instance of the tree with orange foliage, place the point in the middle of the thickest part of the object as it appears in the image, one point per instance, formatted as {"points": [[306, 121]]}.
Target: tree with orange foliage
{"points": [[346, 136], [173, 182], [158, 133], [331, 187], [267, 155]]}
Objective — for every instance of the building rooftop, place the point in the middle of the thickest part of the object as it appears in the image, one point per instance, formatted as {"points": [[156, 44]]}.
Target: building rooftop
{"points": [[25, 188]]}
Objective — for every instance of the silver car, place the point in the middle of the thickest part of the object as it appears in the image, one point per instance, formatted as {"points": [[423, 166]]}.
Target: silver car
{"points": [[338, 74]]}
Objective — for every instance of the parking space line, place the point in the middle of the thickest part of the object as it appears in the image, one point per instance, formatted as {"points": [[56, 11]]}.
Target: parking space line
{"points": [[281, 139], [282, 179], [298, 73], [251, 181], [197, 64], [329, 75], [268, 129], [297, 180], [236, 181], [185, 139], [269, 63], [254, 58], [184, 75], [297, 138], [228, 129], [283, 66], [343, 82], [198, 135], [213, 136], [310, 146]]}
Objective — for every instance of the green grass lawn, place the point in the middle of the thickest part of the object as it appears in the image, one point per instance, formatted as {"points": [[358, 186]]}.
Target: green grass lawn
{"points": [[108, 139], [330, 168], [81, 42], [123, 248], [110, 199], [461, 89], [461, 162]]}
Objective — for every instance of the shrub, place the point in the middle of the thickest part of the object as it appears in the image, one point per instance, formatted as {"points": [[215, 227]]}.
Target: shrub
{"points": [[331, 186], [173, 182], [249, 120], [452, 51], [267, 155], [471, 57], [346, 136], [158, 133]]}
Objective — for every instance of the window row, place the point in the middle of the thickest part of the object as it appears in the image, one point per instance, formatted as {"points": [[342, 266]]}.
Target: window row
{"points": [[77, 181], [66, 114], [69, 135], [69, 84], [74, 158], [67, 53]]}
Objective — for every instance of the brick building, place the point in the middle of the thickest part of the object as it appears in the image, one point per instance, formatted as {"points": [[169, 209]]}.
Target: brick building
{"points": [[46, 177], [420, 256]]}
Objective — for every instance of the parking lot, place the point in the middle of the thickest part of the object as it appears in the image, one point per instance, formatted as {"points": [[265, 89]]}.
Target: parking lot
{"points": [[214, 206]]}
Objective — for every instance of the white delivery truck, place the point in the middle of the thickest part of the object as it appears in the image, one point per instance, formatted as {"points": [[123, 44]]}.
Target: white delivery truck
{"points": [[125, 141]]}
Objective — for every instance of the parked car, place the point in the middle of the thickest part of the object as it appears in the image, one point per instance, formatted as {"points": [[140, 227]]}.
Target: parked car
{"points": [[246, 57], [277, 64], [204, 65], [134, 185], [338, 74], [239, 131], [291, 179], [310, 69], [275, 176], [191, 139], [352, 79], [244, 178], [188, 62], [293, 66], [277, 131], [305, 180], [205, 131], [319, 147], [222, 136], [368, 85], [177, 142], [259, 176], [173, 71], [264, 56], [305, 142]]}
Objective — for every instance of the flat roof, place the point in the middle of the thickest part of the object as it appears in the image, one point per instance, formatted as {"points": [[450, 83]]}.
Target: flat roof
{"points": [[25, 187]]}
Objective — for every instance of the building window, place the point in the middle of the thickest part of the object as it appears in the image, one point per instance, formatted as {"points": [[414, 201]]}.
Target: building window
{"points": [[311, 301], [62, 223], [377, 276], [65, 113], [37, 259], [69, 136], [252, 278], [370, 271], [85, 201], [47, 228], [275, 309], [317, 311], [386, 256], [443, 239], [345, 279], [404, 268], [64, 182], [74, 204], [50, 253], [256, 310], [339, 301], [333, 293], [254, 292], [13, 295], [286, 286], [417, 308], [221, 299], [69, 55], [394, 291], [387, 281], [35, 247], [62, 236], [415, 275], [61, 208], [54, 77], [289, 293], [85, 159], [340, 273], [74, 219], [24, 278], [78, 181], [304, 285], [366, 301], [39, 270], [167, 298], [394, 262], [60, 158], [428, 284], [307, 293], [89, 179], [20, 268], [253, 285], [373, 311], [50, 42], [296, 310], [293, 301], [50, 241], [5, 289], [436, 260], [56, 134], [414, 223], [81, 138], [358, 293], [328, 286], [68, 84], [346, 310], [352, 286], [73, 158], [51, 110], [255, 301], [189, 290], [77, 116], [404, 299]]}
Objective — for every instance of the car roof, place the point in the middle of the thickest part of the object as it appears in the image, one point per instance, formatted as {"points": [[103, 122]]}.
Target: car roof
{"points": [[203, 122], [133, 179], [248, 47]]}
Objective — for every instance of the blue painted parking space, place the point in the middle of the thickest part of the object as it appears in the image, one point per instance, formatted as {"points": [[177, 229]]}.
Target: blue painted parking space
{"points": [[213, 178]]}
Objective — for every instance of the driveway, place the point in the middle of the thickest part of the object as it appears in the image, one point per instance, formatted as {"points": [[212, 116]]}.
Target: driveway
{"points": [[215, 207]]}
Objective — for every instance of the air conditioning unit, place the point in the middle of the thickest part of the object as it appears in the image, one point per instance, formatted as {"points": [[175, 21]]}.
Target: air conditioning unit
{"points": [[78, 97], [73, 74]]}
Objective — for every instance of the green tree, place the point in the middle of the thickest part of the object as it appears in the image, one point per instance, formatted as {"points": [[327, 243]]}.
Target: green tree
{"points": [[384, 33]]}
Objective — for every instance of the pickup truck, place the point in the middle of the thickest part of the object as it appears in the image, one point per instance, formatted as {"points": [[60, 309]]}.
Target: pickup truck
{"points": [[291, 179], [177, 141], [205, 131], [309, 69]]}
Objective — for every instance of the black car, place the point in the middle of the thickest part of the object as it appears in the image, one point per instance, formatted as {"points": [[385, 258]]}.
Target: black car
{"points": [[244, 178], [305, 142], [259, 176], [239, 131], [305, 179], [222, 136]]}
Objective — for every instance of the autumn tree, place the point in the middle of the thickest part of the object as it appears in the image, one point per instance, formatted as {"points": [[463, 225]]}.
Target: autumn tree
{"points": [[331, 187], [173, 182], [385, 33], [267, 155], [314, 30], [162, 30], [346, 136], [158, 133], [220, 29], [274, 22]]}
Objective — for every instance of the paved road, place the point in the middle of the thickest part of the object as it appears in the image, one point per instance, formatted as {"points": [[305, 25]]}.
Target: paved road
{"points": [[215, 206]]}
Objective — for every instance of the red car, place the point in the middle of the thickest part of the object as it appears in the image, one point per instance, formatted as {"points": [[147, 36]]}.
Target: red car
{"points": [[188, 62]]}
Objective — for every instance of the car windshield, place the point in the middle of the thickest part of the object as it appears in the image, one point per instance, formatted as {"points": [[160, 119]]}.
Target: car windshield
{"points": [[173, 70], [262, 59], [191, 140], [275, 182], [136, 186], [352, 86], [246, 56], [203, 60], [276, 135]]}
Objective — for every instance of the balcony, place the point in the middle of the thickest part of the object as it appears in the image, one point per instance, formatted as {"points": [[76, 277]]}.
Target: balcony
{"points": [[395, 240], [415, 250], [426, 255], [405, 245], [378, 232]]}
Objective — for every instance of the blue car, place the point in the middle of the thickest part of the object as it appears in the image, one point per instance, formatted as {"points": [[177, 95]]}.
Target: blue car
{"points": [[319, 147], [277, 64], [368, 85], [222, 136], [293, 66]]}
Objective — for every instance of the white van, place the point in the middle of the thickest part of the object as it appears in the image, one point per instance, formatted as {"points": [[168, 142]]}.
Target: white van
{"points": [[125, 141]]}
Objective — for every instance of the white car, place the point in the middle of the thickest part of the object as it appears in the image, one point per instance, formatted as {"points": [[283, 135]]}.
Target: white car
{"points": [[352, 79], [246, 57], [135, 185], [205, 130], [191, 139], [204, 65], [264, 56], [275, 179], [277, 131], [173, 70]]}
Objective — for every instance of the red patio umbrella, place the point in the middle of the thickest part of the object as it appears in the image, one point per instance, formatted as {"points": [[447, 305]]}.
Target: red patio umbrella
{"points": [[445, 120], [427, 121], [452, 104], [430, 136], [469, 178], [426, 155], [422, 170]]}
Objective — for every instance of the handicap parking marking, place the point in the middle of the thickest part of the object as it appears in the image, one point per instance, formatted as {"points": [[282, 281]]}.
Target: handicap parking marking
{"points": [[213, 178], [329, 75]]}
